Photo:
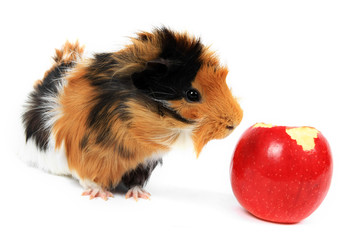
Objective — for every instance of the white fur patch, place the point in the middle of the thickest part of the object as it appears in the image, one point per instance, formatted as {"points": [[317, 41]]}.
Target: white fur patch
{"points": [[184, 139], [183, 142], [52, 160]]}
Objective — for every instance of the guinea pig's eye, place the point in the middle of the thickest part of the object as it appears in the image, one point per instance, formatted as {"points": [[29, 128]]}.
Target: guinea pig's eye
{"points": [[192, 95]]}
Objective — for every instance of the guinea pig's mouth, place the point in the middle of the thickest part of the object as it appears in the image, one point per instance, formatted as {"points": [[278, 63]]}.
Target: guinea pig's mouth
{"points": [[224, 134]]}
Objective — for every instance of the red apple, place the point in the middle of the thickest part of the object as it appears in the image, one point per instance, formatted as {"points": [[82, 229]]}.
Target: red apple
{"points": [[281, 174]]}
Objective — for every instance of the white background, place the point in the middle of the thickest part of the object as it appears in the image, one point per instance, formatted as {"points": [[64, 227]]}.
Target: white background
{"points": [[291, 63]]}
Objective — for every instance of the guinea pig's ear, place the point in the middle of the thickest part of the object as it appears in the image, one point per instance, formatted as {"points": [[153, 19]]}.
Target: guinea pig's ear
{"points": [[151, 75]]}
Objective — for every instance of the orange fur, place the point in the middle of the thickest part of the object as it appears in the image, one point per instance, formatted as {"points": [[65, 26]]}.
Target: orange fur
{"points": [[69, 53]]}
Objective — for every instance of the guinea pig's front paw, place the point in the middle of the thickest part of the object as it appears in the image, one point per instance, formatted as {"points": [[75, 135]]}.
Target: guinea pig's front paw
{"points": [[137, 192], [98, 192]]}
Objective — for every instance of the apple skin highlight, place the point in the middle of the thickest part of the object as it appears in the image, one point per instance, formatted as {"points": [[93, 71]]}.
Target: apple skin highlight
{"points": [[281, 174]]}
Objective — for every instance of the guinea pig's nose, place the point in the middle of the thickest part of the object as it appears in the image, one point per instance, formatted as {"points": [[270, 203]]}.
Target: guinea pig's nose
{"points": [[230, 127]]}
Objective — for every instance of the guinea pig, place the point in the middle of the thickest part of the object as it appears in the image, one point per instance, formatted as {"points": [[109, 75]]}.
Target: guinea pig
{"points": [[111, 118]]}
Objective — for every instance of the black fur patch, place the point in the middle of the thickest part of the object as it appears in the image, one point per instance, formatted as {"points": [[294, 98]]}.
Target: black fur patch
{"points": [[171, 74], [104, 137], [36, 115], [102, 113], [140, 175], [162, 111], [123, 152], [84, 142], [101, 66]]}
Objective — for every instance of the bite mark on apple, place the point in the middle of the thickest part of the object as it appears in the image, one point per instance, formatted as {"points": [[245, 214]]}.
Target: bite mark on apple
{"points": [[304, 136], [263, 125]]}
